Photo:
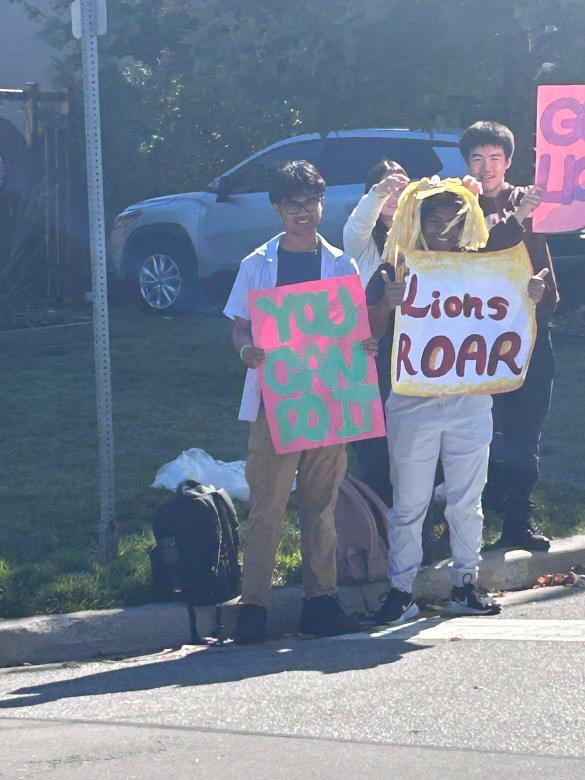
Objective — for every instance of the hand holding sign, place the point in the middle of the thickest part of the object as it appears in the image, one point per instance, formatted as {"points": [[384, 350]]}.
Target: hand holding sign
{"points": [[252, 356], [370, 346], [393, 292], [537, 286], [531, 200], [473, 185], [393, 184]]}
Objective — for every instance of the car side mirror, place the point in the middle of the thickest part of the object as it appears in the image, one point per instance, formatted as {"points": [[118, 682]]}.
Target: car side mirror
{"points": [[223, 190]]}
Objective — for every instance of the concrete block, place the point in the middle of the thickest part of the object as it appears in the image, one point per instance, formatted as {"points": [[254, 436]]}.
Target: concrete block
{"points": [[82, 635], [505, 569]]}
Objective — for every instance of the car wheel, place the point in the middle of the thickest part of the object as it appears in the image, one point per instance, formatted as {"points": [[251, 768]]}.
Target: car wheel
{"points": [[161, 278]]}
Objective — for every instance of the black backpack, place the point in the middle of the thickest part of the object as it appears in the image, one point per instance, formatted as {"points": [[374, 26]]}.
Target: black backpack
{"points": [[195, 559]]}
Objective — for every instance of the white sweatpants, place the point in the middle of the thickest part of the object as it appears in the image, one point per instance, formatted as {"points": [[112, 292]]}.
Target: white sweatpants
{"points": [[458, 430]]}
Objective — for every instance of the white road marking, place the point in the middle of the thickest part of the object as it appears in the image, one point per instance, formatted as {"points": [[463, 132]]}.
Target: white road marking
{"points": [[435, 629]]}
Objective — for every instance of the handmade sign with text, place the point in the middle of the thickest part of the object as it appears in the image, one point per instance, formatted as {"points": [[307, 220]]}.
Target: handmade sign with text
{"points": [[466, 324], [318, 385], [560, 158]]}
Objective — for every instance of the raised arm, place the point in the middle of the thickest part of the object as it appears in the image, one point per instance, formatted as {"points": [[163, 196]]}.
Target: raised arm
{"points": [[357, 233], [511, 228]]}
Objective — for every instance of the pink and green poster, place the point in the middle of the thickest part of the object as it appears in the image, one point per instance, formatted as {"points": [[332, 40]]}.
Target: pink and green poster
{"points": [[560, 158], [318, 385]]}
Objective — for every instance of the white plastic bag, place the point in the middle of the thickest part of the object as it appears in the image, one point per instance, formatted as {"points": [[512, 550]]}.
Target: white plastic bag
{"points": [[199, 465]]}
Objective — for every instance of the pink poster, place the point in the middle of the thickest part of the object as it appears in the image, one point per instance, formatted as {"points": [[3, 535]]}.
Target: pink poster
{"points": [[318, 385], [560, 158]]}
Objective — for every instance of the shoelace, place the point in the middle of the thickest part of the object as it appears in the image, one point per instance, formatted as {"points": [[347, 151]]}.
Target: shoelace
{"points": [[472, 590], [533, 529], [481, 596]]}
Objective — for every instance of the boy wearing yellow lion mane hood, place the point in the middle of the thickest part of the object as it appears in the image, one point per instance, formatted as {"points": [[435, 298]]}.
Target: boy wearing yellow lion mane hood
{"points": [[436, 216]]}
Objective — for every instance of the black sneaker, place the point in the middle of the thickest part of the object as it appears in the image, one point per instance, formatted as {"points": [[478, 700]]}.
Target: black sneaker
{"points": [[522, 533], [469, 600], [323, 616], [251, 625], [398, 607]]}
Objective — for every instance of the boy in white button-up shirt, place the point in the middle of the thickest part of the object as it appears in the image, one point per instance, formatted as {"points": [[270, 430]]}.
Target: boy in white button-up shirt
{"points": [[299, 254]]}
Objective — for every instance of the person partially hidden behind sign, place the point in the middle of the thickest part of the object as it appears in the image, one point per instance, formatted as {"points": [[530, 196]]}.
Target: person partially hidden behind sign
{"points": [[519, 416], [364, 236], [298, 255], [457, 429]]}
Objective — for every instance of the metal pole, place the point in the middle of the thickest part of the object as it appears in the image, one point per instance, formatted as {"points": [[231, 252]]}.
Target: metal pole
{"points": [[107, 528]]}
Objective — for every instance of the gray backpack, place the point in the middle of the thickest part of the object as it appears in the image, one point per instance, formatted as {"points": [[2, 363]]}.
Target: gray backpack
{"points": [[362, 541]]}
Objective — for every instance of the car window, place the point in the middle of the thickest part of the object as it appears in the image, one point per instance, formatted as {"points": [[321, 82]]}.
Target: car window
{"points": [[566, 244], [255, 175], [348, 160]]}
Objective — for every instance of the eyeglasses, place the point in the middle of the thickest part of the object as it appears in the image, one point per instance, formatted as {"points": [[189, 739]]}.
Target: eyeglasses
{"points": [[296, 206]]}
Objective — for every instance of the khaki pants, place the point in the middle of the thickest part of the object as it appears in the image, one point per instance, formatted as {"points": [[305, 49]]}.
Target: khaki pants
{"points": [[270, 477]]}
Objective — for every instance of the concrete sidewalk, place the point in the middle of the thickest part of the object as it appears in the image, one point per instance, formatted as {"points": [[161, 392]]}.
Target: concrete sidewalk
{"points": [[135, 630]]}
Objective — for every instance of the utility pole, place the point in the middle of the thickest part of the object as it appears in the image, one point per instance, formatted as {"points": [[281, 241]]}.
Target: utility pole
{"points": [[89, 21]]}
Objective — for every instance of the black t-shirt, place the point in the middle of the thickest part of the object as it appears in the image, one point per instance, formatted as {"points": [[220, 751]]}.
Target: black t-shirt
{"points": [[374, 293], [297, 267]]}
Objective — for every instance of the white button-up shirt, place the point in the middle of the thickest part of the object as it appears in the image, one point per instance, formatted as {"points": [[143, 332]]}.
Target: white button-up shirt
{"points": [[259, 271]]}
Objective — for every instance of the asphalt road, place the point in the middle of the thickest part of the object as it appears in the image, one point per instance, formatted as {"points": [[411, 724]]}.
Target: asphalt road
{"points": [[436, 699]]}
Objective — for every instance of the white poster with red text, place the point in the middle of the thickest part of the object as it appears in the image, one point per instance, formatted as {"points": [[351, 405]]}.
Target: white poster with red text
{"points": [[466, 325]]}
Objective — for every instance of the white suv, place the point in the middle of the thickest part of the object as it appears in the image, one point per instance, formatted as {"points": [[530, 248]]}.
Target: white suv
{"points": [[163, 246]]}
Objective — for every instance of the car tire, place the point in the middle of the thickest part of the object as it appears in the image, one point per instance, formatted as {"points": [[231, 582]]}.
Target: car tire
{"points": [[161, 277]]}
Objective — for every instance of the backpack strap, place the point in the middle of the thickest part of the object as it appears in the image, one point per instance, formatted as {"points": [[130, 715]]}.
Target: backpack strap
{"points": [[210, 495], [219, 626], [195, 638], [188, 485]]}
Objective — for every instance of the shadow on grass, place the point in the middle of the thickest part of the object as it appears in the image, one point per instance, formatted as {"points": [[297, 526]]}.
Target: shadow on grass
{"points": [[216, 665]]}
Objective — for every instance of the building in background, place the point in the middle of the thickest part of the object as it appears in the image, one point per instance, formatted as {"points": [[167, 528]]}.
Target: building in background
{"points": [[43, 219], [24, 57]]}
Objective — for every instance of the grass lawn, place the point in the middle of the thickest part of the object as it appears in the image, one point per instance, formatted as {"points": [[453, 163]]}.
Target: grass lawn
{"points": [[176, 385]]}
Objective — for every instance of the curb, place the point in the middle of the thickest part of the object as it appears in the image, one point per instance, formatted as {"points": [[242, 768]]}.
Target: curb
{"points": [[134, 630], [506, 569]]}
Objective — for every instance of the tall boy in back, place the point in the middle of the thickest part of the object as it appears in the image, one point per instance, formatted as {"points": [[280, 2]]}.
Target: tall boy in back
{"points": [[488, 148]]}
